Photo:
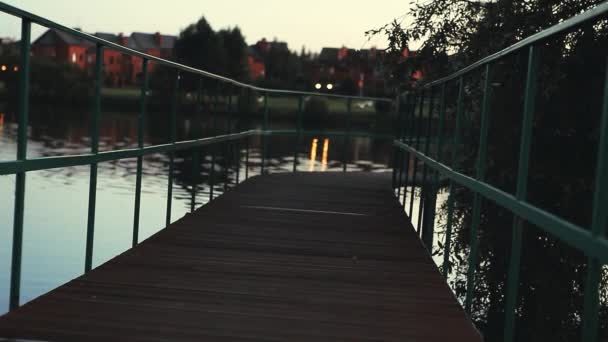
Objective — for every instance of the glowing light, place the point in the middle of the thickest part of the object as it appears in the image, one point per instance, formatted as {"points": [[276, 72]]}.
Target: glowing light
{"points": [[74, 57], [313, 154], [318, 86], [324, 156], [3, 68], [15, 68], [330, 86]]}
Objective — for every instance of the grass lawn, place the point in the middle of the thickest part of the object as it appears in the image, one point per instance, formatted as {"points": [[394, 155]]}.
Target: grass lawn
{"points": [[276, 104]]}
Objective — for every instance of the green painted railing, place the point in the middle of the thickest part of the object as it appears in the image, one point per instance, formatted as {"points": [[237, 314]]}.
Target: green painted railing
{"points": [[589, 240], [22, 164], [413, 123]]}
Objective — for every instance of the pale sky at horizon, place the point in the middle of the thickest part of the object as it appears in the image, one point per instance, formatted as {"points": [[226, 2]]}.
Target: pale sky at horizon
{"points": [[314, 23]]}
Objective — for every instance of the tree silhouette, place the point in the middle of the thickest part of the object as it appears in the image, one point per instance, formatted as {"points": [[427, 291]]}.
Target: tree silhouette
{"points": [[454, 33]]}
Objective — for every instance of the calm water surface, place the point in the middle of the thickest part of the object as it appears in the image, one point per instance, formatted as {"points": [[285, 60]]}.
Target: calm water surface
{"points": [[57, 200]]}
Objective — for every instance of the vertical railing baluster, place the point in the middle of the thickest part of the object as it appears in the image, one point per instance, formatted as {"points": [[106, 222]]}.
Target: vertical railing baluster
{"points": [[231, 145], [264, 128], [247, 158], [521, 191], [23, 112], [172, 138], [599, 220], [479, 176], [429, 191], [298, 132], [439, 150], [212, 148], [416, 127], [419, 125], [196, 152], [346, 134], [441, 126], [409, 108], [140, 144], [226, 148], [88, 258], [451, 190], [425, 150], [399, 136]]}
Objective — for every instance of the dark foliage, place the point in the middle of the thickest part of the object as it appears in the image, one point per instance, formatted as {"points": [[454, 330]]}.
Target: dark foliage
{"points": [[50, 82], [455, 33]]}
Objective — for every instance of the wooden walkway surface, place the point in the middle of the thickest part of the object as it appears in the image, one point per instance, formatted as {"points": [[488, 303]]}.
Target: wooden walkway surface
{"points": [[285, 257]]}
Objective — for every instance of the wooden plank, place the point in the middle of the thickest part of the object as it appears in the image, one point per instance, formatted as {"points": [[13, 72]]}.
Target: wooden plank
{"points": [[285, 257]]}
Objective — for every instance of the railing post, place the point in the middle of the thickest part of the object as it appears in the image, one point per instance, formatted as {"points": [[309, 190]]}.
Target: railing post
{"points": [[399, 135], [416, 127], [298, 132], [172, 138], [599, 221], [232, 147], [247, 158], [225, 148], [23, 103], [450, 205], [264, 128], [140, 144], [429, 190], [521, 191], [480, 175], [408, 129], [88, 259], [212, 147], [346, 134], [196, 151], [423, 186]]}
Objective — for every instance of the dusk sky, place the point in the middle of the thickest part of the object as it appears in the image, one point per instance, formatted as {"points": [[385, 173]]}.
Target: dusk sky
{"points": [[313, 23]]}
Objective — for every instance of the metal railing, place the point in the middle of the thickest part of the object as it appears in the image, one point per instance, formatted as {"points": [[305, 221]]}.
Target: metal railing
{"points": [[589, 240], [22, 164], [417, 147]]}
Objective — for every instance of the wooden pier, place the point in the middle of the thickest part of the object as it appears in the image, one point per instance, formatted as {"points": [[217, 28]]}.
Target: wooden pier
{"points": [[282, 257]]}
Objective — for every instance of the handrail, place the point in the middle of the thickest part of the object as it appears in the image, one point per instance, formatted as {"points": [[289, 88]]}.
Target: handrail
{"points": [[51, 24], [589, 240]]}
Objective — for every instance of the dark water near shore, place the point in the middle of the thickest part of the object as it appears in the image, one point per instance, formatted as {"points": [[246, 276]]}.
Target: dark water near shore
{"points": [[57, 199]]}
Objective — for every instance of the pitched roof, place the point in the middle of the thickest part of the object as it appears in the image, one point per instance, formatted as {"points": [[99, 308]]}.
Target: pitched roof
{"points": [[137, 40], [53, 37], [111, 37], [144, 41], [331, 54]]}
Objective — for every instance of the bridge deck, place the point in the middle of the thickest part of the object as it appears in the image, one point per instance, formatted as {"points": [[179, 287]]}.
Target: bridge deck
{"points": [[286, 257]]}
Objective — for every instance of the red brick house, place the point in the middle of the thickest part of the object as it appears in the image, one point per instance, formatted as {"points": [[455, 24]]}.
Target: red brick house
{"points": [[255, 62], [62, 47], [119, 69]]}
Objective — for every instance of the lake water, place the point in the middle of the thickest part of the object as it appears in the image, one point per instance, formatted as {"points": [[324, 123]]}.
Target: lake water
{"points": [[56, 200]]}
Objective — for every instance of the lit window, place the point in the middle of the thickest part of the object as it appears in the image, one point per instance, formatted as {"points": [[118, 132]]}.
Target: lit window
{"points": [[16, 68], [330, 86], [74, 57], [318, 86]]}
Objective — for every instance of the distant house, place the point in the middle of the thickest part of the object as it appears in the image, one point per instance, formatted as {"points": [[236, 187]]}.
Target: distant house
{"points": [[355, 71], [257, 68], [349, 71], [119, 68], [62, 47], [257, 56]]}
